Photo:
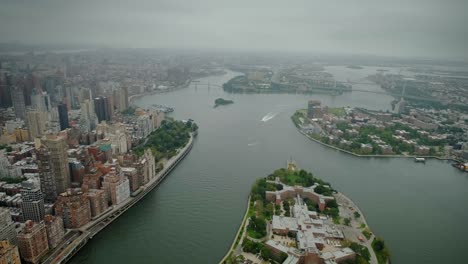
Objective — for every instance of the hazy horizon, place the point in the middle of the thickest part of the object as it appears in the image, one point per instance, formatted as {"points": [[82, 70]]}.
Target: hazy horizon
{"points": [[418, 29]]}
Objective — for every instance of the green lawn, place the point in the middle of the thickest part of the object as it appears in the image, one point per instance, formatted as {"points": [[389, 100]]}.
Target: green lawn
{"points": [[338, 111]]}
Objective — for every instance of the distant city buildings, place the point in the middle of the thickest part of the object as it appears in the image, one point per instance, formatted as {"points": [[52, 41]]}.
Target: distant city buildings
{"points": [[40, 101], [17, 97], [63, 116], [88, 119], [102, 108], [37, 124]]}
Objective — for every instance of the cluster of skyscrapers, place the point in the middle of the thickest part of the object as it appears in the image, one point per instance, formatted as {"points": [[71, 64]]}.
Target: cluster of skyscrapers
{"points": [[65, 158]]}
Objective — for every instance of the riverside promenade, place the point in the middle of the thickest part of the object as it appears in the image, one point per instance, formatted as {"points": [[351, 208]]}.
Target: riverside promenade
{"points": [[239, 235], [82, 235]]}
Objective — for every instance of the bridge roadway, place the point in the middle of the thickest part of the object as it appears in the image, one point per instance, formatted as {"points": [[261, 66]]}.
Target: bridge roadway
{"points": [[71, 246]]}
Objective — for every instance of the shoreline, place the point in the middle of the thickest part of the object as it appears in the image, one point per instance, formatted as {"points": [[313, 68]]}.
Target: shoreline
{"points": [[372, 155], [93, 228], [241, 228]]}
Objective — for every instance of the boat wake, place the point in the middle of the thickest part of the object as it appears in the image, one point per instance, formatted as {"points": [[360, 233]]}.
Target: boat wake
{"points": [[269, 116], [252, 144]]}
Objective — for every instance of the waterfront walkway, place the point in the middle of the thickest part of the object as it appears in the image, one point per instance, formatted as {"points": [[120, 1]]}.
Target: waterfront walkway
{"points": [[352, 233]]}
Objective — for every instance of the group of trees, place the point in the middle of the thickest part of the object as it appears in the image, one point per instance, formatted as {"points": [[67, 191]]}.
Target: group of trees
{"points": [[257, 227], [5, 147], [287, 208], [380, 249], [311, 205], [256, 248], [361, 251], [251, 246], [165, 141], [331, 209], [301, 177], [12, 180], [386, 135]]}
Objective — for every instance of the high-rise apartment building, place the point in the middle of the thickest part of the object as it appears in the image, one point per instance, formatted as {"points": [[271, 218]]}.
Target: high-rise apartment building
{"points": [[133, 178], [5, 93], [40, 101], [32, 241], [146, 167], [17, 98], [117, 187], [9, 253], [33, 201], [37, 123], [314, 109], [58, 147], [55, 230], [46, 174], [7, 226], [88, 117], [102, 109], [74, 208], [98, 201], [123, 98], [63, 116]]}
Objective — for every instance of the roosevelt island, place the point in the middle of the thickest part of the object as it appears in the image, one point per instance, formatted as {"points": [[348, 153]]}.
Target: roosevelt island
{"points": [[294, 217]]}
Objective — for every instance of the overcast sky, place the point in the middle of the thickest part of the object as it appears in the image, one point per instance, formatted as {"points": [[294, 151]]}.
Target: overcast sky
{"points": [[416, 28]]}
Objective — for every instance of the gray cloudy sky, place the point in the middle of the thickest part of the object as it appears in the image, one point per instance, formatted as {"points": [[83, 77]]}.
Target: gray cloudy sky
{"points": [[427, 28]]}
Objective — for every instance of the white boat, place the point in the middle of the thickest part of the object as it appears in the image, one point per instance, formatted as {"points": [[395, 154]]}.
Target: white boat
{"points": [[268, 117], [419, 160]]}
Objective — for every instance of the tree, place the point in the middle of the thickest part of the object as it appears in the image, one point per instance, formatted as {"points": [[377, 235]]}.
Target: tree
{"points": [[332, 204], [347, 221], [357, 214], [269, 209], [379, 244], [265, 253]]}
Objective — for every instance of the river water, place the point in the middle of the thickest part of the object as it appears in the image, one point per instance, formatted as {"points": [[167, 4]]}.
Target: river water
{"points": [[192, 217]]}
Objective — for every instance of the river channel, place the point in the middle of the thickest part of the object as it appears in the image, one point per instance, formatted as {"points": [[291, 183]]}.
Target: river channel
{"points": [[192, 217]]}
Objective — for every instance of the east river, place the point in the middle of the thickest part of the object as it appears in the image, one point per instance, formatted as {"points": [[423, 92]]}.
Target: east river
{"points": [[192, 217]]}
